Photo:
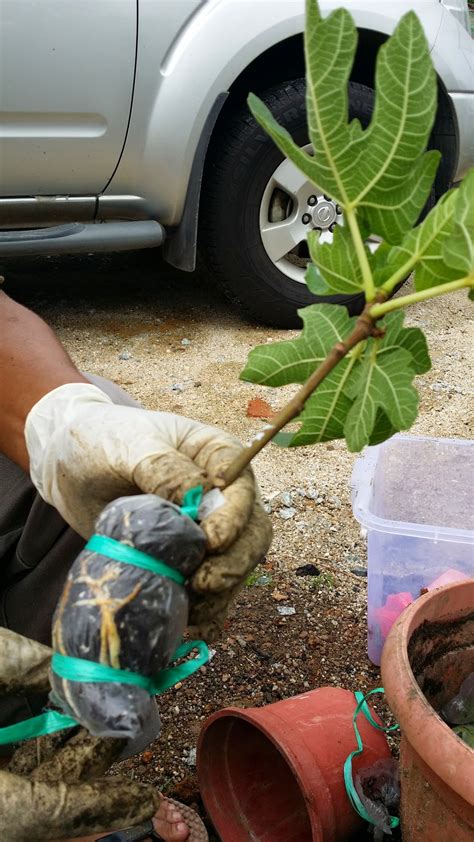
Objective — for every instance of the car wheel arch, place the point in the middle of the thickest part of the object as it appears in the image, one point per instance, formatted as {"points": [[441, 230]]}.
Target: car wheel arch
{"points": [[284, 61]]}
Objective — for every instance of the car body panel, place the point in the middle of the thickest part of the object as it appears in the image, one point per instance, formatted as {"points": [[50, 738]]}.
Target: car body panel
{"points": [[172, 143], [89, 122], [453, 55], [460, 10], [67, 72]]}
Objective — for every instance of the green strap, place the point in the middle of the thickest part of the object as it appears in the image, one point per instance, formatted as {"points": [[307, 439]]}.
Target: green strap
{"points": [[166, 678], [45, 723], [78, 669], [129, 555], [348, 776], [191, 502], [126, 554]]}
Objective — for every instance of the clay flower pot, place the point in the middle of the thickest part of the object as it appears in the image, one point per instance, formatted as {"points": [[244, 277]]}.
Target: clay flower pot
{"points": [[275, 774], [426, 657]]}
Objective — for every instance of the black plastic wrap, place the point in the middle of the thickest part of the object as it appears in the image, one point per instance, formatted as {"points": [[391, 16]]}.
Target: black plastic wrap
{"points": [[123, 616], [378, 787]]}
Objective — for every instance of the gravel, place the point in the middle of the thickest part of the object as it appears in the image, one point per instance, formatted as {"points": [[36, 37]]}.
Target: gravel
{"points": [[98, 306]]}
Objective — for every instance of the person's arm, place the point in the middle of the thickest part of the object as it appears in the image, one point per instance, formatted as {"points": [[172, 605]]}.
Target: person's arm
{"points": [[32, 363], [82, 451]]}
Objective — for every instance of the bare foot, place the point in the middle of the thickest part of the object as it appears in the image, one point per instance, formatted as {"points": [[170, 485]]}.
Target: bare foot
{"points": [[168, 823]]}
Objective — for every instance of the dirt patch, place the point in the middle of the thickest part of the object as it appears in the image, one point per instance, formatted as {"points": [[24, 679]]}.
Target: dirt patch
{"points": [[126, 318]]}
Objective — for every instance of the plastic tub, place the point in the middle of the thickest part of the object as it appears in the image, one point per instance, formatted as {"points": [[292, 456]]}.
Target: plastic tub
{"points": [[413, 495]]}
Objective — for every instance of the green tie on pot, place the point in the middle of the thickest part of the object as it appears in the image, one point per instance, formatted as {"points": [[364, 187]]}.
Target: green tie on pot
{"points": [[354, 798]]}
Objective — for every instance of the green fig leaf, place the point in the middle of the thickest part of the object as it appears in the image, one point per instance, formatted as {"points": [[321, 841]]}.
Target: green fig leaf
{"points": [[383, 382], [294, 360], [458, 249]]}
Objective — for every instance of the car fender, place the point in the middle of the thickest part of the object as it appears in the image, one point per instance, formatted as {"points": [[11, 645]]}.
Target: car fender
{"points": [[172, 101]]}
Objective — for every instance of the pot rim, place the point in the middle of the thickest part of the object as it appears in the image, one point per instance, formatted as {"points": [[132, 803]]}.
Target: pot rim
{"points": [[451, 759], [294, 761]]}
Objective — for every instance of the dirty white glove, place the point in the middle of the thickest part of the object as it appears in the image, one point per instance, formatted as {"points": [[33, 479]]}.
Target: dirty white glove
{"points": [[86, 451]]}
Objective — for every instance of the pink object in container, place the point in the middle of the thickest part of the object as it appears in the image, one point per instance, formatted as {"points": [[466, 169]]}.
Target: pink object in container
{"points": [[397, 602], [448, 578], [394, 605]]}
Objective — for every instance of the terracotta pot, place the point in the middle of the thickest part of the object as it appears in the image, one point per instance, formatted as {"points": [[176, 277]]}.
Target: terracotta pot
{"points": [[427, 655], [275, 774]]}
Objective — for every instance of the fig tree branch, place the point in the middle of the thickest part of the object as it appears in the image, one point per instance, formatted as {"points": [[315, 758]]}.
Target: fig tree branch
{"points": [[365, 327], [377, 311]]}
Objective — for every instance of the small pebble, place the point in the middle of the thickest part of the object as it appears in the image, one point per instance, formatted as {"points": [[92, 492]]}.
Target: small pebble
{"points": [[287, 512], [124, 355], [359, 571], [185, 342], [191, 757], [286, 610]]}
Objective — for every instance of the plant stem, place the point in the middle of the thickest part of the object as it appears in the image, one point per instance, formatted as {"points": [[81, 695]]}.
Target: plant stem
{"points": [[399, 275], [369, 287], [364, 328], [379, 310]]}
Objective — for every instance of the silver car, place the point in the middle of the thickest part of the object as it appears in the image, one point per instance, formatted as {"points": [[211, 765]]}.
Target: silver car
{"points": [[123, 124]]}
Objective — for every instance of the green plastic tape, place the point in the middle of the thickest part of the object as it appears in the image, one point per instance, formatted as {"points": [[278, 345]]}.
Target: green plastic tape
{"points": [[348, 775], [46, 723], [78, 669], [129, 555], [191, 502]]}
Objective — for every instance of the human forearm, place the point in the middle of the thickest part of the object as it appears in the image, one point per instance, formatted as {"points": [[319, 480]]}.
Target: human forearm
{"points": [[32, 363]]}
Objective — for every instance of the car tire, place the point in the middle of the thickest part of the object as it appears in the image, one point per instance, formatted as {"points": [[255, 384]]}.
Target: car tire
{"points": [[241, 163]]}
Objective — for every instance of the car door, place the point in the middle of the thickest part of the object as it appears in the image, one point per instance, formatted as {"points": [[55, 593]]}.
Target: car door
{"points": [[66, 84]]}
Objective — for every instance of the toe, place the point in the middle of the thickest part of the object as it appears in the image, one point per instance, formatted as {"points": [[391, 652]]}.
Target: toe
{"points": [[168, 823], [181, 832]]}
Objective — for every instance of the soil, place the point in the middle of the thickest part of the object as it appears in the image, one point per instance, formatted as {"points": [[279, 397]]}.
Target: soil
{"points": [[175, 344]]}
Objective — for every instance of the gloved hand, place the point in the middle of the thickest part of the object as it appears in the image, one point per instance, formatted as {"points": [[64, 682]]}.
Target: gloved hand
{"points": [[54, 785], [86, 451]]}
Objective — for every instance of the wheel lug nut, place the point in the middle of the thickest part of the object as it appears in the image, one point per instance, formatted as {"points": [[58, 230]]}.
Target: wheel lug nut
{"points": [[332, 227], [338, 209], [306, 219], [312, 200]]}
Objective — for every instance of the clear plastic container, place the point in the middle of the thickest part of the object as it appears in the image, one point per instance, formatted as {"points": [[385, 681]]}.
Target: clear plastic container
{"points": [[413, 495]]}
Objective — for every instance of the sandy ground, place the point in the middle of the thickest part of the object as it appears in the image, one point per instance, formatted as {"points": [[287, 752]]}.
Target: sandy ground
{"points": [[130, 318], [175, 344]]}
